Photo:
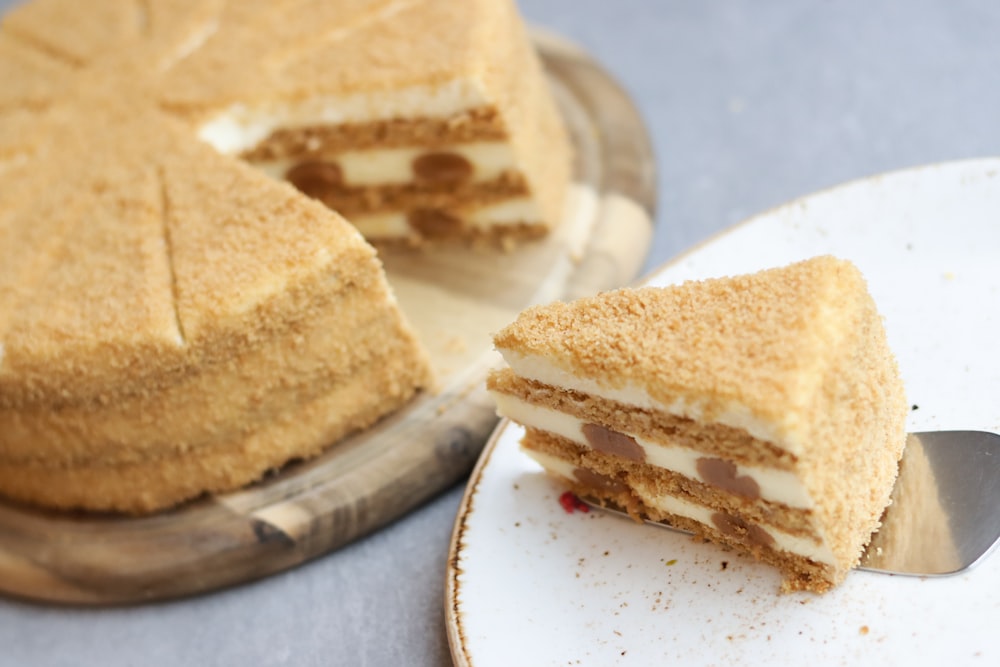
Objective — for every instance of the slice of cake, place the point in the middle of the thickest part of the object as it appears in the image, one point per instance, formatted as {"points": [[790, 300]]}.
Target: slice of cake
{"points": [[764, 412]]}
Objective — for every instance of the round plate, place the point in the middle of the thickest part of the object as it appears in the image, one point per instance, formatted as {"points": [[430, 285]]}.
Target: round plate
{"points": [[529, 583], [456, 298]]}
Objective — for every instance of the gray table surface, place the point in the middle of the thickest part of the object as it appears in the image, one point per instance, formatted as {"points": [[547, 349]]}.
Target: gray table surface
{"points": [[749, 104]]}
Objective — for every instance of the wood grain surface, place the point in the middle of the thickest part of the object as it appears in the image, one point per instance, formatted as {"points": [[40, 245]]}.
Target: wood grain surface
{"points": [[456, 298]]}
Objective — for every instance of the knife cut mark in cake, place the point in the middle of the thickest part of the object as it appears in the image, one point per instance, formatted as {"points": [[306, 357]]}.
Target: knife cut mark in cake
{"points": [[764, 412], [174, 321]]}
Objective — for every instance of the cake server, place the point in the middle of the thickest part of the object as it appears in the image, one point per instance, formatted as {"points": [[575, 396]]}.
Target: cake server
{"points": [[945, 511]]}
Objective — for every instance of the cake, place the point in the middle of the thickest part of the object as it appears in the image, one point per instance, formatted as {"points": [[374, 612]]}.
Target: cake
{"points": [[763, 412], [414, 119], [173, 322], [176, 320]]}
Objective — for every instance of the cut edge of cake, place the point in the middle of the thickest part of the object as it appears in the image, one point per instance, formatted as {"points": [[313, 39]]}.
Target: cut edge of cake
{"points": [[460, 139]]}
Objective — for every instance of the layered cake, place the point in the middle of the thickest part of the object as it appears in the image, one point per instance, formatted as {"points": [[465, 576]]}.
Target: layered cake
{"points": [[173, 322], [764, 412], [414, 119], [180, 309]]}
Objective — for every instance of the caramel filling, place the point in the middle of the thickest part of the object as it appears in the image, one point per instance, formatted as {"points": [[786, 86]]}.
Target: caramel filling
{"points": [[431, 222], [442, 167], [750, 534], [722, 474], [612, 442], [315, 179], [599, 481]]}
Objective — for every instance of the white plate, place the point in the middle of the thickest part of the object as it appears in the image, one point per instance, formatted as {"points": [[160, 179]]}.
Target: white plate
{"points": [[531, 584]]}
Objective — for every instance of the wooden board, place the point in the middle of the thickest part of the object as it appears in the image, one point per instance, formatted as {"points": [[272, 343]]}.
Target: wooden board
{"points": [[456, 297]]}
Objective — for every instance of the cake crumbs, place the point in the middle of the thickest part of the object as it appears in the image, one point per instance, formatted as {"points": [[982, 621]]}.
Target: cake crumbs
{"points": [[863, 630]]}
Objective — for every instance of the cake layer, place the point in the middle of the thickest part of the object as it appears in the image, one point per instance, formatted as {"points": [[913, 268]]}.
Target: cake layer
{"points": [[221, 400], [318, 179], [654, 425], [635, 474], [330, 125], [443, 166], [753, 482], [416, 193], [655, 505], [368, 85], [510, 219], [732, 413], [148, 485], [802, 564]]}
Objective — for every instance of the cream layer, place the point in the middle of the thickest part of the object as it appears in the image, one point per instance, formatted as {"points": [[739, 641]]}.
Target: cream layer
{"points": [[734, 414], [241, 127], [395, 224], [793, 544], [780, 486], [393, 166]]}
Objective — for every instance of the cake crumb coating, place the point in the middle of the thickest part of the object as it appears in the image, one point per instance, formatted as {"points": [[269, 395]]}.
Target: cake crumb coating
{"points": [[799, 349]]}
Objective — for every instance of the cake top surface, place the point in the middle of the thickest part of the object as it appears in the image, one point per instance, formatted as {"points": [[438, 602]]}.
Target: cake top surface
{"points": [[197, 57], [125, 242], [761, 342], [117, 266]]}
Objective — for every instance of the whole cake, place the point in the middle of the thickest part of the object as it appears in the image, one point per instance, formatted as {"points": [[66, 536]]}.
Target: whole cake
{"points": [[175, 321], [764, 412]]}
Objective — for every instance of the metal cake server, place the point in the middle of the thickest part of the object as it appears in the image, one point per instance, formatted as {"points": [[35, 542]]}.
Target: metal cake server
{"points": [[945, 511]]}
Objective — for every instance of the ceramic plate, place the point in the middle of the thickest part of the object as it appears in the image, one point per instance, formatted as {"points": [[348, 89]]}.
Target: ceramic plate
{"points": [[530, 584]]}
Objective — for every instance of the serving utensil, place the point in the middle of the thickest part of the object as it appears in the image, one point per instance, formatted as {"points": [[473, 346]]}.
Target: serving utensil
{"points": [[945, 511]]}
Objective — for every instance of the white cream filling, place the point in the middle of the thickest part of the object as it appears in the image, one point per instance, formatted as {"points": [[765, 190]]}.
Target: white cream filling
{"points": [[395, 224], [507, 212], [736, 415], [780, 486], [794, 544], [392, 166], [241, 127]]}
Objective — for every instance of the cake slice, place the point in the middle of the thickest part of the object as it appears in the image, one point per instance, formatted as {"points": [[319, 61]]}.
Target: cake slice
{"points": [[764, 412]]}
